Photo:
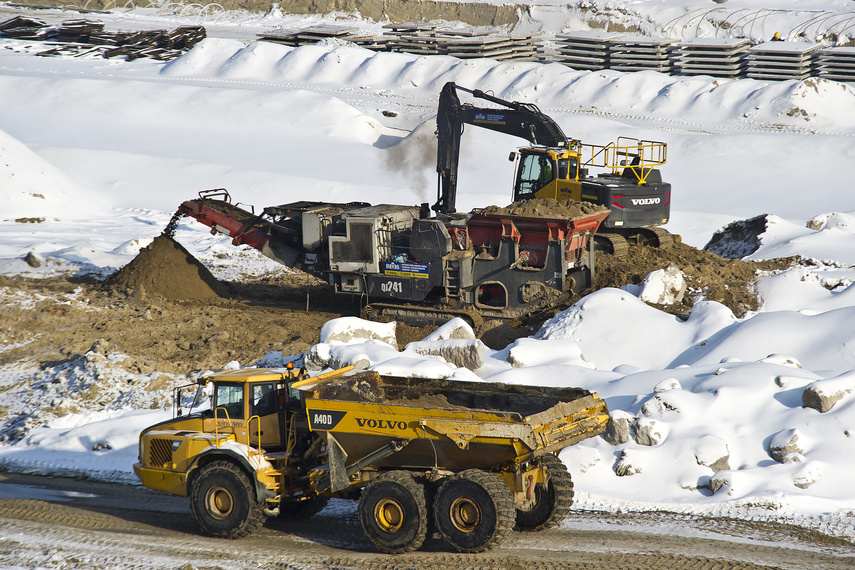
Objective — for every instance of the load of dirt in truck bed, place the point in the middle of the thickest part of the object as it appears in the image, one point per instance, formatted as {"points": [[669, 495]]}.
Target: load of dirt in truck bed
{"points": [[166, 269], [546, 208]]}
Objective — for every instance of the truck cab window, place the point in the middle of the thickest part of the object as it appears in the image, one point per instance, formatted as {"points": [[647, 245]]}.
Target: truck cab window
{"points": [[263, 399], [229, 397]]}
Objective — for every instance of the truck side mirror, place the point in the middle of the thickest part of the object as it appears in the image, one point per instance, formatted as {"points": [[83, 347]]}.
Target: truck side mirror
{"points": [[512, 156]]}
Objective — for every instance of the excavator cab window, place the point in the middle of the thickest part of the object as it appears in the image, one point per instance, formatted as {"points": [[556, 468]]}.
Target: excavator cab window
{"points": [[567, 169], [535, 172]]}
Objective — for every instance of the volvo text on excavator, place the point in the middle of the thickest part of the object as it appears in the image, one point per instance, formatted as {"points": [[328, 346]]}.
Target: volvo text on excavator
{"points": [[557, 167]]}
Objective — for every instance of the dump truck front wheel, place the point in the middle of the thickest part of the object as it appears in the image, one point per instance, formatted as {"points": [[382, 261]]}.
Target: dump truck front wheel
{"points": [[393, 512], [552, 500], [473, 511], [223, 501]]}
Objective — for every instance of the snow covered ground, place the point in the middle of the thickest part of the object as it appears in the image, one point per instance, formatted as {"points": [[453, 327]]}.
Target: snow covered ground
{"points": [[95, 155]]}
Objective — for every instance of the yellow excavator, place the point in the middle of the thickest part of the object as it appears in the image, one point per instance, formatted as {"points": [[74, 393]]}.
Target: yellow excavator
{"points": [[557, 167]]}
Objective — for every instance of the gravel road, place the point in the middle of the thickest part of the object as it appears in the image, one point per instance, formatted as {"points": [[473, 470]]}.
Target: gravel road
{"points": [[71, 524]]}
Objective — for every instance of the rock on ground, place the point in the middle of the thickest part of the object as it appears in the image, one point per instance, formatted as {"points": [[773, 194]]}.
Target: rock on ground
{"points": [[463, 353], [822, 395], [784, 443]]}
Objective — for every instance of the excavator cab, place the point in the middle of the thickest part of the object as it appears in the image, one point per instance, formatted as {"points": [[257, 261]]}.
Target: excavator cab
{"points": [[547, 173]]}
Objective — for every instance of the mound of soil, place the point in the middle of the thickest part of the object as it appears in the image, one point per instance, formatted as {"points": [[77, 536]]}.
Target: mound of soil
{"points": [[167, 270], [546, 208], [716, 278]]}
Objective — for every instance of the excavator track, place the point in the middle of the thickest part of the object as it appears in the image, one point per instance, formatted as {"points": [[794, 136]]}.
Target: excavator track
{"points": [[656, 237], [617, 242]]}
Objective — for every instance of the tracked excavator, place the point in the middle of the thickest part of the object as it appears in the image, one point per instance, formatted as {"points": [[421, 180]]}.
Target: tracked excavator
{"points": [[555, 166]]}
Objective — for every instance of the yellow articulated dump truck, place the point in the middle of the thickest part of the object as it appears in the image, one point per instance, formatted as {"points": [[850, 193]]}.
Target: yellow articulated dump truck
{"points": [[470, 461]]}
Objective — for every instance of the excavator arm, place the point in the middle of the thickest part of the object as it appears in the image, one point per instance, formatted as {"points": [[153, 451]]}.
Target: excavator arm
{"points": [[522, 120]]}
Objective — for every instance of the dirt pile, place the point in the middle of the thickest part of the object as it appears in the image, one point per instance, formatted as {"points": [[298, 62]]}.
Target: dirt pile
{"points": [[716, 278], [546, 208], [167, 270]]}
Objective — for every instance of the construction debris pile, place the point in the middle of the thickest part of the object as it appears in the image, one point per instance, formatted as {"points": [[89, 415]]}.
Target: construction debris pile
{"points": [[88, 37]]}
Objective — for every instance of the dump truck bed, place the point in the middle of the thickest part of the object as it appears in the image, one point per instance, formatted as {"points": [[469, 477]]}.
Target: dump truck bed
{"points": [[458, 425]]}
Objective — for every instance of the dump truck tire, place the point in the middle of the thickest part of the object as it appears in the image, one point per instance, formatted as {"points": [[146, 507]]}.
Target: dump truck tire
{"points": [[302, 510], [474, 511], [223, 501], [393, 512], [553, 500]]}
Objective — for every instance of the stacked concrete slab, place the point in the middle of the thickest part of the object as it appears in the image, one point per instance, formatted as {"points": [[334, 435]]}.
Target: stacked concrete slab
{"points": [[780, 61], [468, 44], [712, 56], [837, 64], [314, 34], [587, 49], [428, 39]]}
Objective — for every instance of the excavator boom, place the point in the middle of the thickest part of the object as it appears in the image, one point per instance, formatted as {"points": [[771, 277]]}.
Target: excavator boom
{"points": [[522, 120]]}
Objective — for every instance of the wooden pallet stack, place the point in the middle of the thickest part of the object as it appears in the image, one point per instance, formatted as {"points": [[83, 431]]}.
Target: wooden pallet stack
{"points": [[780, 61], [587, 49], [836, 63], [88, 37], [22, 28], [79, 31], [724, 57]]}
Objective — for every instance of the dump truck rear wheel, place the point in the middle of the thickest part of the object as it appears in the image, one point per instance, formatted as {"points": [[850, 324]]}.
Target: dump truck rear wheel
{"points": [[393, 513], [223, 501], [474, 511], [553, 500]]}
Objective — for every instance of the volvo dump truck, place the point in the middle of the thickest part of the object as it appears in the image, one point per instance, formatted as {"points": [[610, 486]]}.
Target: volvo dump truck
{"points": [[558, 167], [469, 461]]}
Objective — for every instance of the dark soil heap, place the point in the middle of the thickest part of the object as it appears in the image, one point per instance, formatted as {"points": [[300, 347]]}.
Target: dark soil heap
{"points": [[546, 208], [167, 270], [716, 278]]}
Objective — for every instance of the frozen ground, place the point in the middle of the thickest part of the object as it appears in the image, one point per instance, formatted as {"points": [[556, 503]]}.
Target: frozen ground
{"points": [[97, 154]]}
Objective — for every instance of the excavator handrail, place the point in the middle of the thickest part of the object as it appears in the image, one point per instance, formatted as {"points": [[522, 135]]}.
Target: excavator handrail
{"points": [[632, 156]]}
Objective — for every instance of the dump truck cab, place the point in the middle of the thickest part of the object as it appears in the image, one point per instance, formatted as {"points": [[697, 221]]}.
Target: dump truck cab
{"points": [[248, 419]]}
